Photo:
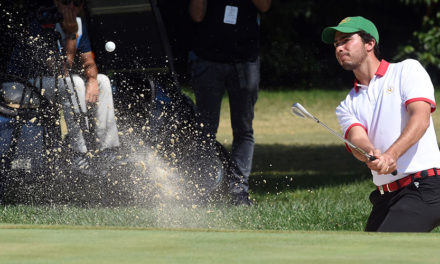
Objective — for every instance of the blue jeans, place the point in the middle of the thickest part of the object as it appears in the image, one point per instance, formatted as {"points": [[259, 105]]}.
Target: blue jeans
{"points": [[210, 80]]}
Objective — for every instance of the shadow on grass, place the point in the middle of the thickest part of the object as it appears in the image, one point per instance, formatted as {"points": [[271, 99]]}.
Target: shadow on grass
{"points": [[279, 168]]}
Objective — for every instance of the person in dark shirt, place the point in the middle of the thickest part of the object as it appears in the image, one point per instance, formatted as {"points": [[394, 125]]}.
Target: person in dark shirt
{"points": [[45, 56], [225, 58]]}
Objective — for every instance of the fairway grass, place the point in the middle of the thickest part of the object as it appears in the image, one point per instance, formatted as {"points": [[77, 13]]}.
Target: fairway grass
{"points": [[47, 245]]}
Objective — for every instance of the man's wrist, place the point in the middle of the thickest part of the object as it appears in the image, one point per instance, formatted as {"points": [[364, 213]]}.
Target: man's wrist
{"points": [[392, 153], [92, 79], [72, 36]]}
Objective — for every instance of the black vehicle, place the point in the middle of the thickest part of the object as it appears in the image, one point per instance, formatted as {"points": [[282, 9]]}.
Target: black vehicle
{"points": [[159, 126]]}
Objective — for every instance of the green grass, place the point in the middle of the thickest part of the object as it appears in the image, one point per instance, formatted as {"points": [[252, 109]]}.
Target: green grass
{"points": [[303, 179], [321, 208], [274, 124], [21, 244]]}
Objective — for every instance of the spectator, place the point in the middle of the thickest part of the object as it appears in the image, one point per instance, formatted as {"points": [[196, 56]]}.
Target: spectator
{"points": [[37, 58], [225, 58]]}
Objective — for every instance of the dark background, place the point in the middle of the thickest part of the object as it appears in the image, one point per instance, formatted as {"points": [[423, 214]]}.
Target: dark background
{"points": [[292, 53]]}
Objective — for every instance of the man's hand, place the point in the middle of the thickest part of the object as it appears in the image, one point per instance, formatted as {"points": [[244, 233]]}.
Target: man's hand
{"points": [[384, 164], [92, 90], [69, 12]]}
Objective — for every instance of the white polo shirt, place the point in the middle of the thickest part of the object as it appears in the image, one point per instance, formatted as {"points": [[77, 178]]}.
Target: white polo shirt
{"points": [[380, 108]]}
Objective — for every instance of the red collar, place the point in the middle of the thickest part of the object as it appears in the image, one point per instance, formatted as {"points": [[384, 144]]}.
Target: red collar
{"points": [[383, 67]]}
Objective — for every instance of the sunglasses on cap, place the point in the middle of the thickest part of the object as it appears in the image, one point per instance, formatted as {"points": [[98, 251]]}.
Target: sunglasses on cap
{"points": [[76, 3]]}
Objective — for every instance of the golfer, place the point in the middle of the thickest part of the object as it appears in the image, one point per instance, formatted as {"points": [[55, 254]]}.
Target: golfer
{"points": [[388, 114]]}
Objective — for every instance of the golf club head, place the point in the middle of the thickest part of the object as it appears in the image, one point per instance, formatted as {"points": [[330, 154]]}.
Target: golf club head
{"points": [[298, 110]]}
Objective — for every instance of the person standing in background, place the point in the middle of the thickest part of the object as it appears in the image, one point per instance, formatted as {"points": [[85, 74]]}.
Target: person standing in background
{"points": [[225, 57]]}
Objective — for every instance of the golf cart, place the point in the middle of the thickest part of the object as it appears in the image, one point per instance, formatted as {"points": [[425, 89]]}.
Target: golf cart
{"points": [[168, 156]]}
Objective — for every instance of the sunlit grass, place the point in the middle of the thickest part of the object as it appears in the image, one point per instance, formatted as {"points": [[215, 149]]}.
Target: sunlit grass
{"points": [[330, 208], [274, 124], [49, 244], [302, 179]]}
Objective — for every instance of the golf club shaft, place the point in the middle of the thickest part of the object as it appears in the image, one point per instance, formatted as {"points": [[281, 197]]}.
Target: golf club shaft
{"points": [[361, 151]]}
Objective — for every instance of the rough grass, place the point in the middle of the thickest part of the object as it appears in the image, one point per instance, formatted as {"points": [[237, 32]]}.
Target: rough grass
{"points": [[303, 179], [274, 124], [339, 207]]}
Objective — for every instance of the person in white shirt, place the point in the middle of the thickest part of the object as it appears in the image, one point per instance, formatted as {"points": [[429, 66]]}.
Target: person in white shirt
{"points": [[388, 114]]}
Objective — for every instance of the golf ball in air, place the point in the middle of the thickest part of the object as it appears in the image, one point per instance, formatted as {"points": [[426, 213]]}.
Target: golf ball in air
{"points": [[110, 46]]}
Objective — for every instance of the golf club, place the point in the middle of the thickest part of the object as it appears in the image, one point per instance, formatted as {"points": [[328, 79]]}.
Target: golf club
{"points": [[299, 110]]}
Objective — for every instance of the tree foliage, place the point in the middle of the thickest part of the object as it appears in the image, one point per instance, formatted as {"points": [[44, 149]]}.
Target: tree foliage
{"points": [[425, 45], [284, 56], [292, 51]]}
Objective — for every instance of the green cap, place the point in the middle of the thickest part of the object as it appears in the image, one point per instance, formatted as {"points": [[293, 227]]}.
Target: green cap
{"points": [[350, 25]]}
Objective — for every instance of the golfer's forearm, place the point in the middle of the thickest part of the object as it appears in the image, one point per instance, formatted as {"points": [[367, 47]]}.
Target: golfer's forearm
{"points": [[411, 134], [262, 5], [197, 9], [359, 138]]}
